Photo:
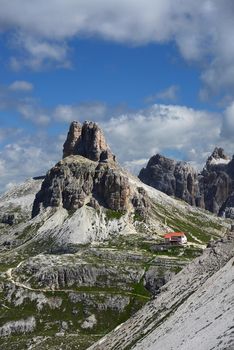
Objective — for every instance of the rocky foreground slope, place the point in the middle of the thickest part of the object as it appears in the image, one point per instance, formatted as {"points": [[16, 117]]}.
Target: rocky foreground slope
{"points": [[194, 309], [212, 189], [82, 249]]}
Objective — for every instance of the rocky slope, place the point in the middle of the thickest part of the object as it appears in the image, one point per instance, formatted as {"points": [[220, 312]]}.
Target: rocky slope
{"points": [[213, 189], [194, 309], [92, 253]]}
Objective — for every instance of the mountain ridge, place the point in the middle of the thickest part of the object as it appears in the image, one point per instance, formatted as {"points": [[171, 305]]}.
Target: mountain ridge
{"points": [[211, 189]]}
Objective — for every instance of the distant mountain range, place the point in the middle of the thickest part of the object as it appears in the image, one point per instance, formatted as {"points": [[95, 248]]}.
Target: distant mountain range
{"points": [[212, 189]]}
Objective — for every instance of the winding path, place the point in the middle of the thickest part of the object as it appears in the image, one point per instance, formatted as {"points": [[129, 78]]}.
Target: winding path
{"points": [[44, 290]]}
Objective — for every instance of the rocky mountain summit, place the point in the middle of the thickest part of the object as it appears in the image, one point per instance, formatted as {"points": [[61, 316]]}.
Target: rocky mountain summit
{"points": [[87, 140], [89, 175], [212, 189], [217, 183], [174, 178]]}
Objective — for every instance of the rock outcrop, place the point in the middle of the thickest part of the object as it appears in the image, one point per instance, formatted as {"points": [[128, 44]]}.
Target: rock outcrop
{"points": [[212, 189], [87, 140], [9, 218], [53, 273], [88, 175], [18, 327], [73, 137], [177, 179], [76, 181], [217, 159], [217, 181]]}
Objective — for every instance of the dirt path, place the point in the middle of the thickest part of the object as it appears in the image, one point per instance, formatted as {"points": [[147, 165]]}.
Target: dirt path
{"points": [[45, 290]]}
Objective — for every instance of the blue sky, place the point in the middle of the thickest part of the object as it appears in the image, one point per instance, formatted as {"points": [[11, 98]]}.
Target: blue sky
{"points": [[157, 76]]}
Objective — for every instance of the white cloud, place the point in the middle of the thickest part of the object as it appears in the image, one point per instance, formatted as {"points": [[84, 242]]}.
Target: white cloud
{"points": [[202, 30], [135, 166], [9, 133], [228, 122], [177, 131], [83, 111], [36, 53], [165, 129], [21, 85], [30, 110], [28, 157], [169, 94]]}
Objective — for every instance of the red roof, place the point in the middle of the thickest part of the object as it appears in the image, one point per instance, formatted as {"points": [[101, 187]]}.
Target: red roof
{"points": [[174, 234]]}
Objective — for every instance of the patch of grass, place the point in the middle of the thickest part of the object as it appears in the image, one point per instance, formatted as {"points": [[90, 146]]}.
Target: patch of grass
{"points": [[138, 217], [114, 214], [140, 289]]}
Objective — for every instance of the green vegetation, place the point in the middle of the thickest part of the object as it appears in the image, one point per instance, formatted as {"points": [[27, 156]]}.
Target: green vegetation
{"points": [[140, 289], [199, 228], [114, 214], [138, 217]]}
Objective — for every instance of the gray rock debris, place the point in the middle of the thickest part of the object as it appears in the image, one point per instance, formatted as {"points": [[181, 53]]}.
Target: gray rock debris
{"points": [[89, 323], [19, 326], [172, 295]]}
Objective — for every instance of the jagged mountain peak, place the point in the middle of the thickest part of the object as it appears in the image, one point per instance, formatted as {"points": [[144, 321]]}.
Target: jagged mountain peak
{"points": [[217, 157], [173, 177], [89, 177], [87, 140], [212, 189]]}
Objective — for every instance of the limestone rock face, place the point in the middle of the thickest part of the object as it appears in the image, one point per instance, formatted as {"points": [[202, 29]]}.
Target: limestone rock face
{"points": [[141, 202], [177, 179], [217, 181], [213, 189], [227, 208], [88, 141], [218, 159], [73, 136], [88, 175], [111, 188], [76, 181]]}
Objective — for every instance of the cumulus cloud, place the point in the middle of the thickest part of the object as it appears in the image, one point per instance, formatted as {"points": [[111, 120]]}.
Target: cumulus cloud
{"points": [[35, 53], [169, 94], [202, 30], [168, 129], [175, 131], [27, 157], [15, 98], [21, 85], [228, 122], [30, 110], [9, 133], [83, 111]]}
